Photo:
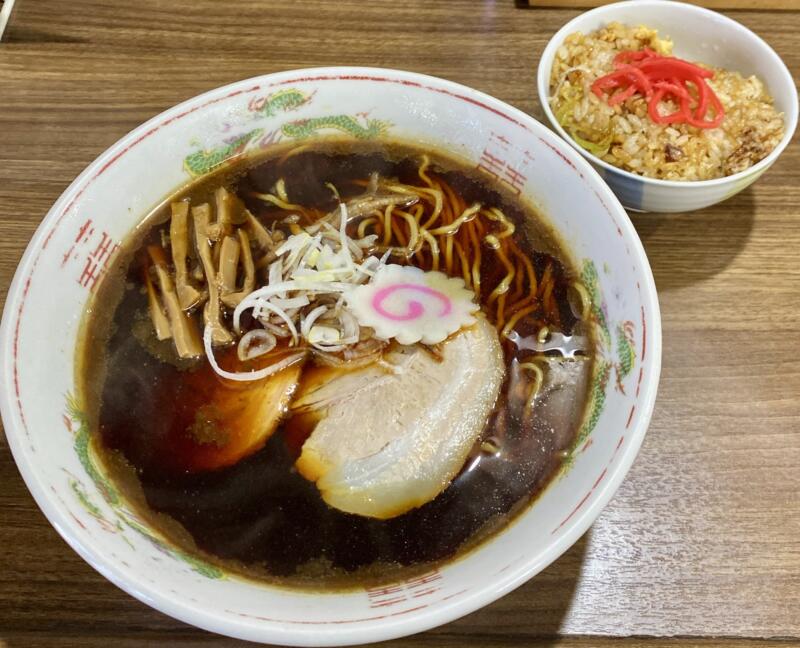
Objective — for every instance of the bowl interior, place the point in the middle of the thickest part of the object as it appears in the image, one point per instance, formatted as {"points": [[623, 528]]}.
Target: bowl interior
{"points": [[48, 432]]}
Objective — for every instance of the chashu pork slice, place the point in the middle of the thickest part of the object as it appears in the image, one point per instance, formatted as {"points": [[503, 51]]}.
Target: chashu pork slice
{"points": [[389, 441]]}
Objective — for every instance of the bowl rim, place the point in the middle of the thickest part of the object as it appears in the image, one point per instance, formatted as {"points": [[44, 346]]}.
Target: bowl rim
{"points": [[548, 56], [442, 612]]}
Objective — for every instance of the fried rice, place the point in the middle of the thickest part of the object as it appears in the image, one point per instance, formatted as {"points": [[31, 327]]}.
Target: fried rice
{"points": [[625, 136]]}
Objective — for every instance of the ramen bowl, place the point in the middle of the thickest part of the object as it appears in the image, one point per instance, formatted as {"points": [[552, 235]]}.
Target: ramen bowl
{"points": [[699, 35], [48, 433]]}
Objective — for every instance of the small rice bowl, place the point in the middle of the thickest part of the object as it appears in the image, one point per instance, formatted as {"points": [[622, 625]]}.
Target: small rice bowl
{"points": [[625, 136]]}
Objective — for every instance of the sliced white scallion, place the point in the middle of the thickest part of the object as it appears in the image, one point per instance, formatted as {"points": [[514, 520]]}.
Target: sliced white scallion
{"points": [[245, 376], [277, 331], [291, 302], [255, 343], [324, 335], [309, 320], [307, 282]]}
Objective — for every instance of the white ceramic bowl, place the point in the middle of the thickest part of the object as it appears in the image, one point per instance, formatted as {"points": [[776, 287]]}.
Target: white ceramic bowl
{"points": [[48, 434], [699, 35]]}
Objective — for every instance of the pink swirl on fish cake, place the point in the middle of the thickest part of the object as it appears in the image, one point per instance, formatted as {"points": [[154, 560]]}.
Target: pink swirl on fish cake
{"points": [[415, 308]]}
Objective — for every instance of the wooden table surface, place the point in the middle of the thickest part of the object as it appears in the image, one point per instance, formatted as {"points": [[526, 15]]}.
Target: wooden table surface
{"points": [[703, 538]]}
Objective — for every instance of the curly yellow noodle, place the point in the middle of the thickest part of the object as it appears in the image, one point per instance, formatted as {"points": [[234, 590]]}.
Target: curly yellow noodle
{"points": [[453, 199], [433, 247], [515, 307], [546, 276], [502, 287], [450, 206], [452, 228], [279, 203], [585, 299], [424, 193], [387, 225], [493, 213], [464, 264], [364, 224], [476, 262], [292, 152], [334, 191], [280, 189], [512, 322], [532, 283], [426, 161], [538, 379], [448, 254], [543, 334], [547, 293], [413, 229]]}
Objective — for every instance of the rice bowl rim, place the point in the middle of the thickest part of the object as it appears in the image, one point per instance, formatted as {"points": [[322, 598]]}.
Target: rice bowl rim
{"points": [[547, 60]]}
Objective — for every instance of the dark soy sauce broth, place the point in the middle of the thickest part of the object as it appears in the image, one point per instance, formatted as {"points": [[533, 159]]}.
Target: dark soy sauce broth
{"points": [[259, 517]]}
